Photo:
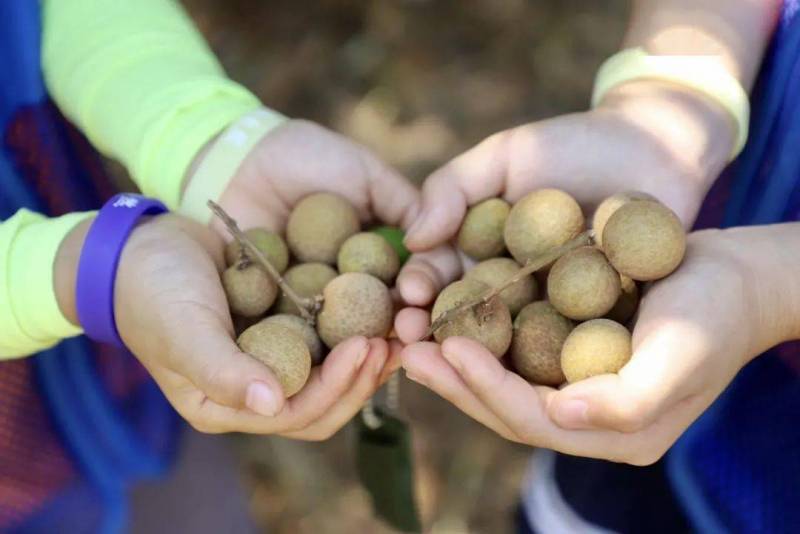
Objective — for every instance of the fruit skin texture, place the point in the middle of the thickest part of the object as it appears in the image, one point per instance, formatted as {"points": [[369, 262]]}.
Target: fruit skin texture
{"points": [[582, 284], [356, 304], [627, 302], [595, 347], [481, 233], [610, 205], [494, 332], [249, 289], [318, 226], [282, 350], [269, 243], [644, 240], [539, 334], [540, 221], [496, 271], [369, 253], [306, 331], [308, 280]]}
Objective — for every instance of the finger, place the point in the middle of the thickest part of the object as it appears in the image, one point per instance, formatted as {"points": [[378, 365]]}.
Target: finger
{"points": [[426, 273], [672, 359], [475, 175], [505, 394], [208, 356], [425, 365], [411, 324], [366, 383], [394, 361], [393, 198], [326, 385]]}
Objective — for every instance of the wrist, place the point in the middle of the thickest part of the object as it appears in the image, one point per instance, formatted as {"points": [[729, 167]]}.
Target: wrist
{"points": [[691, 128], [65, 269], [768, 257]]}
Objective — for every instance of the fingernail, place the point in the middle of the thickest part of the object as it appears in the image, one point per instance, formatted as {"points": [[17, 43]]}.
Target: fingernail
{"points": [[362, 356], [573, 414], [453, 360], [417, 226], [261, 399]]}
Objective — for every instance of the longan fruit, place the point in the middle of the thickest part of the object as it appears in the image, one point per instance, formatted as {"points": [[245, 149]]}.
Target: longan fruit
{"points": [[489, 324], [249, 289], [539, 334], [644, 240], [269, 243], [282, 350], [356, 304], [596, 347], [369, 253], [306, 331], [307, 280], [582, 284], [607, 208], [540, 221], [481, 233], [495, 272], [318, 225]]}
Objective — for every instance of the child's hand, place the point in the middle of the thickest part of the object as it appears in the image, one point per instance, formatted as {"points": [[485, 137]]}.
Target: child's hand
{"points": [[646, 136], [734, 296], [299, 158], [172, 313]]}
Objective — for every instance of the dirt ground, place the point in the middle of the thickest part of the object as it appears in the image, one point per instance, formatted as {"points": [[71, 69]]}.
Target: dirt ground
{"points": [[418, 81]]}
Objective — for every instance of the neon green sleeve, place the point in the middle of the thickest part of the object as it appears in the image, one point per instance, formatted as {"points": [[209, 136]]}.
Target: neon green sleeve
{"points": [[30, 319], [140, 81]]}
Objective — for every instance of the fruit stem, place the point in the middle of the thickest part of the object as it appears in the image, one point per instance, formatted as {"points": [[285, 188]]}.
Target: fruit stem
{"points": [[530, 267], [308, 306]]}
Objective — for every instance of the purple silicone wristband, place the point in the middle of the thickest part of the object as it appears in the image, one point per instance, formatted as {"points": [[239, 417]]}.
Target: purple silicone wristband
{"points": [[97, 268]]}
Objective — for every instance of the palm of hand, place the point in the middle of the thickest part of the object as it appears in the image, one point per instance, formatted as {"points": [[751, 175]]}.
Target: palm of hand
{"points": [[687, 347]]}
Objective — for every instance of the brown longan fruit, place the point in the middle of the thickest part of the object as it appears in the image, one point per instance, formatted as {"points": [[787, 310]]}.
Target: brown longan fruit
{"points": [[249, 289], [644, 240], [596, 347], [489, 324], [356, 304], [481, 233], [367, 252], [607, 208], [282, 350], [306, 331], [627, 302], [307, 280], [540, 221], [539, 334], [269, 243], [318, 225], [582, 284], [495, 272]]}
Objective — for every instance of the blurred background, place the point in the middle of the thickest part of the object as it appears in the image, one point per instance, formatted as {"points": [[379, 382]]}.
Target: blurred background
{"points": [[418, 81]]}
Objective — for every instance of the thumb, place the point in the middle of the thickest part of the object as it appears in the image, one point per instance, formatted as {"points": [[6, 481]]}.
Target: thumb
{"points": [[475, 175], [663, 371], [208, 356]]}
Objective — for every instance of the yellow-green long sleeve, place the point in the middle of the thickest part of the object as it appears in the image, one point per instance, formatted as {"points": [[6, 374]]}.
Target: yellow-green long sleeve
{"points": [[30, 318], [142, 84]]}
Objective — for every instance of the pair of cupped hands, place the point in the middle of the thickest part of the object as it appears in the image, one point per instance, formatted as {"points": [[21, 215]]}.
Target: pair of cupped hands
{"points": [[691, 337]]}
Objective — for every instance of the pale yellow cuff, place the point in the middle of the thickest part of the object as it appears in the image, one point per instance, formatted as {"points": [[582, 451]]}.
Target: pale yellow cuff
{"points": [[30, 317], [169, 150], [223, 160], [700, 73]]}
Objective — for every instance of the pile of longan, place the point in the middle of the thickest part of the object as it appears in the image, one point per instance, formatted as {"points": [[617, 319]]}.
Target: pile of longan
{"points": [[587, 296]]}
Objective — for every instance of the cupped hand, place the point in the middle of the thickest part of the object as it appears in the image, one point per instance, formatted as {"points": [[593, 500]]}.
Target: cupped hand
{"points": [[645, 136], [695, 330], [299, 158], [172, 313]]}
